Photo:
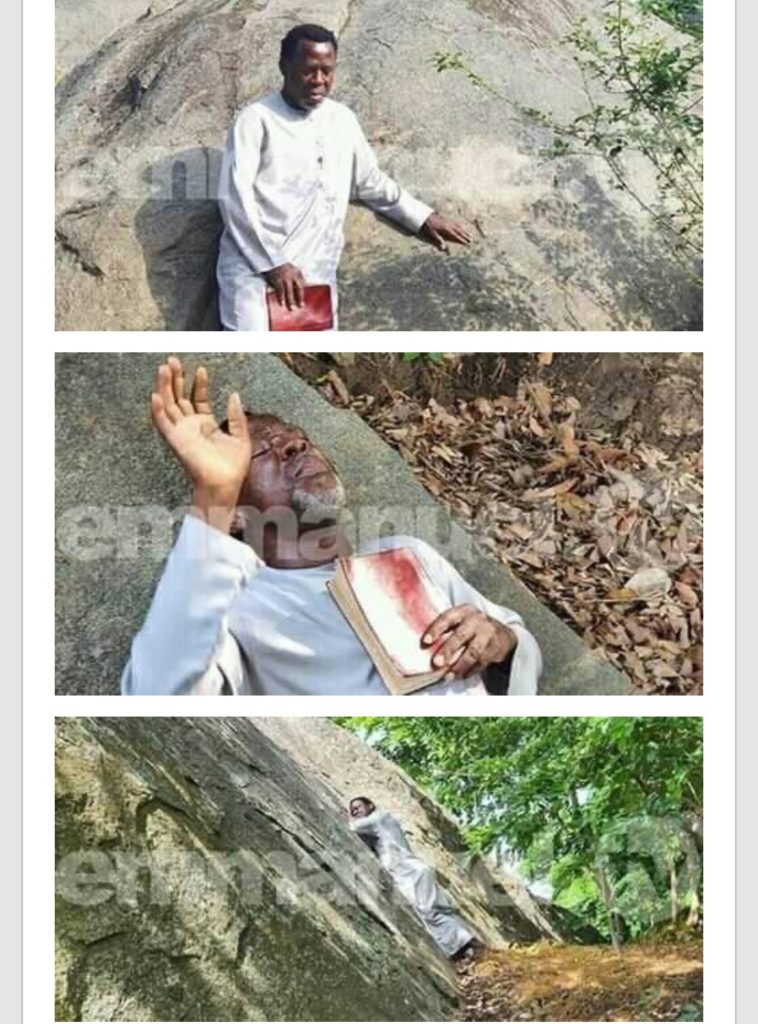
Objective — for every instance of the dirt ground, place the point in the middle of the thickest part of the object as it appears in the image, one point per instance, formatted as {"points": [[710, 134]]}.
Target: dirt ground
{"points": [[581, 472], [545, 982]]}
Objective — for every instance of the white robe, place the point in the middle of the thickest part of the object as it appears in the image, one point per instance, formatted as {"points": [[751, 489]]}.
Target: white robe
{"points": [[286, 180], [221, 621], [415, 880]]}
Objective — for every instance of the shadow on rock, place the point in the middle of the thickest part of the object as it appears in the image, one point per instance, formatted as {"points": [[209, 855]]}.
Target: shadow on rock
{"points": [[632, 275], [445, 293], [572, 260], [179, 229]]}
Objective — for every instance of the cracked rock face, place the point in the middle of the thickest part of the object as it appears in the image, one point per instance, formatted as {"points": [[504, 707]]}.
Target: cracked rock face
{"points": [[495, 903], [201, 875], [142, 116]]}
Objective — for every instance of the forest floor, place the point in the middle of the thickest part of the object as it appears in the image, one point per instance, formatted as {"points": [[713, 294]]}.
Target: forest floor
{"points": [[547, 982], [581, 472]]}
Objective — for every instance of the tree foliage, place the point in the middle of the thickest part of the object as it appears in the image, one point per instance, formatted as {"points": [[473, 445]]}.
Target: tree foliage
{"points": [[643, 91], [644, 95], [608, 809]]}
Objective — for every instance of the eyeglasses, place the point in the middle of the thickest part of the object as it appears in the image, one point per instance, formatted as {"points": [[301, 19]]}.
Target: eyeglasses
{"points": [[268, 445]]}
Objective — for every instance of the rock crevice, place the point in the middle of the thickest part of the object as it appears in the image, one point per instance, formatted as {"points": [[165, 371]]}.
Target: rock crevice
{"points": [[204, 913]]}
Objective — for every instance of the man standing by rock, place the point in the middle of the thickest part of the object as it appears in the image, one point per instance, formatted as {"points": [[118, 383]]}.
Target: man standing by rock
{"points": [[293, 161]]}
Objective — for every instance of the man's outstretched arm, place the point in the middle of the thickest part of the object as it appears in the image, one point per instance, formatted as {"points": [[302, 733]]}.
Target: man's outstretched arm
{"points": [[184, 646], [382, 194]]}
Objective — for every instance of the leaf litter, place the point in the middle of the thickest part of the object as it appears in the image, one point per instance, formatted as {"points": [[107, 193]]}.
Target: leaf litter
{"points": [[654, 981], [604, 526]]}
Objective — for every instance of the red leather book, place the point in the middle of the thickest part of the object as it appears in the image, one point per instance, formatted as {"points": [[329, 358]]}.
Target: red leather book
{"points": [[390, 601], [314, 315]]}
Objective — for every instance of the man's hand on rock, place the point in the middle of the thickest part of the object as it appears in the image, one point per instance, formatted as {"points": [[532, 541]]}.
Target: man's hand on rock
{"points": [[441, 230], [472, 640], [215, 462], [289, 285]]}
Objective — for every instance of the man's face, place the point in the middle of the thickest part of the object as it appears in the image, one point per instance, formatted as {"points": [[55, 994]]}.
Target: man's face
{"points": [[359, 809], [309, 76], [288, 471]]}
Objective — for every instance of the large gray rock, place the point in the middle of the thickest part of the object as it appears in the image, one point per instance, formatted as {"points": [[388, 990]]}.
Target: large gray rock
{"points": [[82, 26], [495, 903], [119, 494], [202, 876], [556, 246]]}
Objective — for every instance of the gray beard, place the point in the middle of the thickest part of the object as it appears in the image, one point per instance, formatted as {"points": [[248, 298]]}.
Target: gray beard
{"points": [[319, 506]]}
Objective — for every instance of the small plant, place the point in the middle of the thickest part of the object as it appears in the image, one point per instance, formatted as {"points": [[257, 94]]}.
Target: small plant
{"points": [[644, 98], [691, 1011], [456, 62]]}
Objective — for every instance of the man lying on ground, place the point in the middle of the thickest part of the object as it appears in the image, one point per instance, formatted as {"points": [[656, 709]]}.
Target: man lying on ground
{"points": [[293, 161], [253, 615]]}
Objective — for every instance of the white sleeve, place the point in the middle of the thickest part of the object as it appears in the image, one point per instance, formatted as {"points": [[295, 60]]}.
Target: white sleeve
{"points": [[236, 196], [369, 824], [526, 663], [184, 646], [380, 192]]}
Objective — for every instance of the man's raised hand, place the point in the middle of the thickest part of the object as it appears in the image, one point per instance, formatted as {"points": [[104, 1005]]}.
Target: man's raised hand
{"points": [[441, 230], [215, 462]]}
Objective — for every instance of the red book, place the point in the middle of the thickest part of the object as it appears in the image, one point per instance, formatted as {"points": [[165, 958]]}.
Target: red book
{"points": [[389, 601], [314, 315]]}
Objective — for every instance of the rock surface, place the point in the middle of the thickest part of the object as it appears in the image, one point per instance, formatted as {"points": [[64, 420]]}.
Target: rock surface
{"points": [[491, 900], [141, 119], [119, 493], [201, 875]]}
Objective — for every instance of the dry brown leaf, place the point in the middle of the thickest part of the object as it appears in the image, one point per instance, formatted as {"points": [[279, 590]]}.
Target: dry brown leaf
{"points": [[567, 437], [541, 493], [483, 406], [650, 583], [521, 531], [622, 594], [606, 544], [574, 504], [545, 358], [339, 386], [541, 398], [687, 595], [555, 465]]}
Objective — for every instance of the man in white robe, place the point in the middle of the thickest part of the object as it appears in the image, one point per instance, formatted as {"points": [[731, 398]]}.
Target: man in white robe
{"points": [[414, 879], [254, 615], [293, 161]]}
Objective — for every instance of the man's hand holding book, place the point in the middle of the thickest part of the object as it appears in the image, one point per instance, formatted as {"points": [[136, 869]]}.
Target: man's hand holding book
{"points": [[468, 641]]}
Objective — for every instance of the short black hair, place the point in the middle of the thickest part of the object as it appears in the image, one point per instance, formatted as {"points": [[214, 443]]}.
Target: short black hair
{"points": [[363, 799], [313, 33]]}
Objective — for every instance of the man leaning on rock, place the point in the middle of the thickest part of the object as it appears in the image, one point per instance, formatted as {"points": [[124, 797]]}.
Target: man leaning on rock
{"points": [[293, 161], [243, 605]]}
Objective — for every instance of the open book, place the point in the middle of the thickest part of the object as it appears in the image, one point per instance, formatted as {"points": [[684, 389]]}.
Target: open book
{"points": [[390, 601]]}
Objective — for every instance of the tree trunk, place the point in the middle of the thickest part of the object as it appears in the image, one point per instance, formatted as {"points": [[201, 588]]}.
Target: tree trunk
{"points": [[693, 881], [606, 893], [673, 889]]}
